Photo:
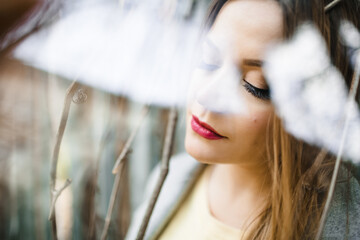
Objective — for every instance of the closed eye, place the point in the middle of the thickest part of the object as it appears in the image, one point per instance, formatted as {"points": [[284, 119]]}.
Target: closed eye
{"points": [[208, 67], [260, 93]]}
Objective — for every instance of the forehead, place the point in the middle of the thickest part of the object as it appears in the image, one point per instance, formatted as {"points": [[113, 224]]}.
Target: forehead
{"points": [[247, 27]]}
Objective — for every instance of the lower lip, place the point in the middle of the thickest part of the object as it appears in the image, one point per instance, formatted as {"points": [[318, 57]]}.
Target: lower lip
{"points": [[204, 132]]}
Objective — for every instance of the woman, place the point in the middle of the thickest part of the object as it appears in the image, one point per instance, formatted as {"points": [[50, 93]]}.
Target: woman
{"points": [[256, 181]]}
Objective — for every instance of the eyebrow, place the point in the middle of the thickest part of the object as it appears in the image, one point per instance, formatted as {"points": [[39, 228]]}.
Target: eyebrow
{"points": [[247, 62], [253, 62]]}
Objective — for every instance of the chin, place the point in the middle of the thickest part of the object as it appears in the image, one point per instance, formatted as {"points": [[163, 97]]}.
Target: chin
{"points": [[201, 149]]}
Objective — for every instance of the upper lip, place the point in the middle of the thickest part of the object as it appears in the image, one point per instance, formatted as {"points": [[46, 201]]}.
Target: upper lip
{"points": [[207, 126]]}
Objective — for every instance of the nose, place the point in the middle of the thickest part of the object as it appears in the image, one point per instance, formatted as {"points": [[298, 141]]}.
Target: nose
{"points": [[221, 93]]}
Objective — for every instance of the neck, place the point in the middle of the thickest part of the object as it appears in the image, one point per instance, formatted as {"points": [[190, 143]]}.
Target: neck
{"points": [[238, 178], [237, 193]]}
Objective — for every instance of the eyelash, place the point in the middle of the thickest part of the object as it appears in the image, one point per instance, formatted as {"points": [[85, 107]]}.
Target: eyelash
{"points": [[263, 94]]}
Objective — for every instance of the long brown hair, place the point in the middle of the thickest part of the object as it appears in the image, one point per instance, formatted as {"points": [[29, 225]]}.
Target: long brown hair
{"points": [[21, 18], [300, 173]]}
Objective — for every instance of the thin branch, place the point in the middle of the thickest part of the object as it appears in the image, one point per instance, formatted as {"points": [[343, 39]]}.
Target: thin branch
{"points": [[318, 160], [128, 143], [351, 99], [105, 139], [80, 96], [331, 5], [118, 167], [112, 200], [56, 195], [64, 117], [169, 142]]}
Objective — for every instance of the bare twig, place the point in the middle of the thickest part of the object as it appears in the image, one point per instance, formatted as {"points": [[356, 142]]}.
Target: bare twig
{"points": [[169, 141], [80, 96], [112, 200], [351, 99], [318, 161], [331, 5], [56, 195], [64, 117], [130, 140], [118, 170], [105, 139], [92, 221], [123, 210]]}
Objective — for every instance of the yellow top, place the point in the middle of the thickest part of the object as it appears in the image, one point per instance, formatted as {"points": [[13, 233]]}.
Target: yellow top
{"points": [[193, 220]]}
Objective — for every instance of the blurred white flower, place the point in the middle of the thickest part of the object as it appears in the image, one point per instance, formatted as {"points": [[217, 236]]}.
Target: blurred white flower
{"points": [[351, 39], [138, 51], [350, 34], [221, 94], [310, 93]]}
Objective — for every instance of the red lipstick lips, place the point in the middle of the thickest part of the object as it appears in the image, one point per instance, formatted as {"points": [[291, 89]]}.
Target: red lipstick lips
{"points": [[204, 129]]}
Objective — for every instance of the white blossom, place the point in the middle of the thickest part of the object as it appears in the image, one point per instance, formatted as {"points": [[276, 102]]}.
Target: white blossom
{"points": [[139, 51], [310, 93]]}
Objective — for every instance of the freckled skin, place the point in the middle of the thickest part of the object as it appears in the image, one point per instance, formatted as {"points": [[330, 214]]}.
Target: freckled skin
{"points": [[243, 29]]}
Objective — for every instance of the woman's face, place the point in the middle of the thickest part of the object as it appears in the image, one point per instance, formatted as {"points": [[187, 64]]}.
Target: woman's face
{"points": [[239, 38]]}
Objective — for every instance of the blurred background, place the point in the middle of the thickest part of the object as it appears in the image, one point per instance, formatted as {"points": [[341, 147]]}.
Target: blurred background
{"points": [[124, 55]]}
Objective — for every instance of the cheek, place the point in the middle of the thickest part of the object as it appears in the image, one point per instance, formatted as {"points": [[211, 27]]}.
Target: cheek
{"points": [[261, 118], [251, 129], [258, 112]]}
